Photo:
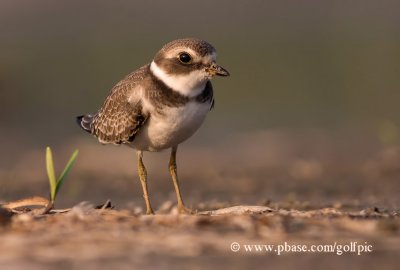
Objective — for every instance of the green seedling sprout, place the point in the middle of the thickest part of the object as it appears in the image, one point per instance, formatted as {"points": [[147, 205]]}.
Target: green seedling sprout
{"points": [[55, 184]]}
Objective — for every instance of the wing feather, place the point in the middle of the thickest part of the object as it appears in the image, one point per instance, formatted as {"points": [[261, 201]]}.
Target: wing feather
{"points": [[121, 116]]}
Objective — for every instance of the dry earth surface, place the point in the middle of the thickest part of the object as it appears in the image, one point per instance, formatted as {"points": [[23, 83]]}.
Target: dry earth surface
{"points": [[310, 187], [88, 238]]}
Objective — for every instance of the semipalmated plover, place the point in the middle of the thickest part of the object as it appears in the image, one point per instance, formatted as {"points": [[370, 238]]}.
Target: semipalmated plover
{"points": [[160, 105]]}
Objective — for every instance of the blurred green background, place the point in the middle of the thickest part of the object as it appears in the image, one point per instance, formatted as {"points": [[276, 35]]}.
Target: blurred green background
{"points": [[324, 65], [308, 63]]}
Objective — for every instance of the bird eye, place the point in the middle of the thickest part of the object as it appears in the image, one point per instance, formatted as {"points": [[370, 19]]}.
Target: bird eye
{"points": [[185, 58]]}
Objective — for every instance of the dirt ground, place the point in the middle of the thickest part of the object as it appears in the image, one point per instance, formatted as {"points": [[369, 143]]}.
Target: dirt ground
{"points": [[309, 188], [88, 238]]}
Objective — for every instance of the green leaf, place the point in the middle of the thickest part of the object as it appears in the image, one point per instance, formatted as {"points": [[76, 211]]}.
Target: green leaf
{"points": [[51, 174], [66, 171]]}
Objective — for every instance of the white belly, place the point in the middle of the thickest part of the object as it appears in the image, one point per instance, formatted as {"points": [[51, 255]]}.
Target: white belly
{"points": [[172, 127]]}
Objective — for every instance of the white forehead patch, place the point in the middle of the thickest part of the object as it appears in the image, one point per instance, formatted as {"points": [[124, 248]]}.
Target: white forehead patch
{"points": [[210, 57], [189, 85]]}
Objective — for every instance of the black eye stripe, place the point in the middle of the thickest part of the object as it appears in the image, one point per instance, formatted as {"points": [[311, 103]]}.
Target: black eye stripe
{"points": [[185, 58]]}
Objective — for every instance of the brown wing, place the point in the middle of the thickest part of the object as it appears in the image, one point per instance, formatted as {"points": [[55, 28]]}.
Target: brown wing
{"points": [[117, 121], [121, 116]]}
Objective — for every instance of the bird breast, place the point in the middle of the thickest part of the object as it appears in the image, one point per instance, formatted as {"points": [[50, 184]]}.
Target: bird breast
{"points": [[171, 126]]}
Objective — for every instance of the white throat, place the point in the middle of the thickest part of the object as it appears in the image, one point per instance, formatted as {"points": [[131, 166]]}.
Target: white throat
{"points": [[190, 85]]}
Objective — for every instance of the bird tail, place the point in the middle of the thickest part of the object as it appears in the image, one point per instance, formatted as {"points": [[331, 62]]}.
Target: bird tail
{"points": [[85, 122]]}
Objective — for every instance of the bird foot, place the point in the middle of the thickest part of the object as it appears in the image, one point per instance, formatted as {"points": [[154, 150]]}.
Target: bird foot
{"points": [[149, 211], [184, 210]]}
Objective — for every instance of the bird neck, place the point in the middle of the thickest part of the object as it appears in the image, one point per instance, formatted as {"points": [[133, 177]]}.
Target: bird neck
{"points": [[189, 85]]}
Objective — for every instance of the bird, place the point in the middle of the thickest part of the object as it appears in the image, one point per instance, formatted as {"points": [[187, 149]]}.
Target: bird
{"points": [[159, 106]]}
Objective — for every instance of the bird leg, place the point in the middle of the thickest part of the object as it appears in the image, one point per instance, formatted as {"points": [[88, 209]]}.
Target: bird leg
{"points": [[174, 174], [143, 180]]}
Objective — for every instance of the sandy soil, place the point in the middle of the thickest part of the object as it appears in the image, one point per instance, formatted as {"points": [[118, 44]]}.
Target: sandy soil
{"points": [[310, 188], [89, 238]]}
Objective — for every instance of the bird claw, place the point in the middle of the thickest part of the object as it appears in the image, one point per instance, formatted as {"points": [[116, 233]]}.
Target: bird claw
{"points": [[184, 210]]}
